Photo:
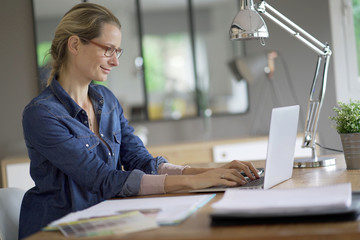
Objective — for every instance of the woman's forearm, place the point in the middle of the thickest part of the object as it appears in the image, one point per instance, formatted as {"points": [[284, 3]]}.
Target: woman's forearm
{"points": [[177, 183], [193, 171]]}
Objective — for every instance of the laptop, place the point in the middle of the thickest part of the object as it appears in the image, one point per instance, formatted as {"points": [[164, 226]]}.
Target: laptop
{"points": [[280, 151]]}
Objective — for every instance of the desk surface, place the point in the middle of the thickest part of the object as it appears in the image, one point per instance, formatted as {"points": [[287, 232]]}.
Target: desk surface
{"points": [[198, 226]]}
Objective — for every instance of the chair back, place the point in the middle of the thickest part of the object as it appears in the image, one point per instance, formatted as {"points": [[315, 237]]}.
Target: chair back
{"points": [[10, 203]]}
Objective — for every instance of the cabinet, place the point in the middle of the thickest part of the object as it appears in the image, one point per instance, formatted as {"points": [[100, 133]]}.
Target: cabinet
{"points": [[15, 172]]}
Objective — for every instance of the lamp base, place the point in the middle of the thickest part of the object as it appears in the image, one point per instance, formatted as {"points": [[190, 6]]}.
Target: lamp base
{"points": [[313, 163]]}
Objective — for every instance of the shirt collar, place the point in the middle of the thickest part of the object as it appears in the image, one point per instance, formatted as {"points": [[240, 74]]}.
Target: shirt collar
{"points": [[72, 107], [95, 95]]}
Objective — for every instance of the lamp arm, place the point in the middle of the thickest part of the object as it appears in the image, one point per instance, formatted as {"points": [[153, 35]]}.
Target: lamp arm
{"points": [[323, 51], [297, 32]]}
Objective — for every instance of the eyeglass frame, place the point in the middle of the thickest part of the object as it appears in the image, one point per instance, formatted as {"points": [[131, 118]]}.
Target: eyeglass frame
{"points": [[112, 50]]}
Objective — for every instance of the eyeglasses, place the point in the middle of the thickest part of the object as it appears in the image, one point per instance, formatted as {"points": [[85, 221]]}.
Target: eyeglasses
{"points": [[109, 51]]}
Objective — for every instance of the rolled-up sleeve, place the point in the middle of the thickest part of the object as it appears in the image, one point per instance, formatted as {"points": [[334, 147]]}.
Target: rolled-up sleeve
{"points": [[132, 184], [152, 184], [155, 184], [171, 169]]}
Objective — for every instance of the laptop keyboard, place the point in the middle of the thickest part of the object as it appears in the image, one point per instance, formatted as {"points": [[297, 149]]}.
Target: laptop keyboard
{"points": [[251, 184], [255, 182]]}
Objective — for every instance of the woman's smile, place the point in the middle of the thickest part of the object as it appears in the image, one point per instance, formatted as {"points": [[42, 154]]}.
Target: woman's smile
{"points": [[106, 70]]}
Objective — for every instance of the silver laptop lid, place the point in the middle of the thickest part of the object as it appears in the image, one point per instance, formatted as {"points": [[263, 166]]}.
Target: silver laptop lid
{"points": [[281, 145]]}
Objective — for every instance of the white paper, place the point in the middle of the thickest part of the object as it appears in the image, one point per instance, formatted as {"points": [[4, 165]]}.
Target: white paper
{"points": [[172, 210], [295, 199]]}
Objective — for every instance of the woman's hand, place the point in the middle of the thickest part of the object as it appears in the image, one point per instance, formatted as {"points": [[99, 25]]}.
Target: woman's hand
{"points": [[198, 178], [247, 167], [217, 177]]}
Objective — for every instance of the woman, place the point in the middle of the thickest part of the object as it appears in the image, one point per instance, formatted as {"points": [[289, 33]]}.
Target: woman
{"points": [[81, 147]]}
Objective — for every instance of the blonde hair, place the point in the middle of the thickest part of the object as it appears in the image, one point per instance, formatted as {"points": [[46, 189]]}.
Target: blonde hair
{"points": [[84, 20]]}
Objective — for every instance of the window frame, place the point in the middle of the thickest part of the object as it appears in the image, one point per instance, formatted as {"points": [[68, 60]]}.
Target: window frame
{"points": [[347, 80]]}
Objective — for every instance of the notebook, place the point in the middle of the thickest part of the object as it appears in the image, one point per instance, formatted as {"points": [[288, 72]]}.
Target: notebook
{"points": [[280, 150]]}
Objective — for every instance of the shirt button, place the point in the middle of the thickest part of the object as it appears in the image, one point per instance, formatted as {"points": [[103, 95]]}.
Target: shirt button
{"points": [[109, 154], [99, 111], [82, 111], [102, 135], [87, 145], [113, 154], [85, 122], [101, 101]]}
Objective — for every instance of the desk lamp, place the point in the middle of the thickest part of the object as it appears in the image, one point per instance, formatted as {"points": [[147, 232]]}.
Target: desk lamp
{"points": [[248, 24]]}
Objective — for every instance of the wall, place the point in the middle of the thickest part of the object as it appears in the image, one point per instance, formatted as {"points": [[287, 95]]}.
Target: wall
{"points": [[18, 72]]}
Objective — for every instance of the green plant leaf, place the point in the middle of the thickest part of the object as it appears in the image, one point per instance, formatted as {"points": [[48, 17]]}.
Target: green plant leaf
{"points": [[347, 117]]}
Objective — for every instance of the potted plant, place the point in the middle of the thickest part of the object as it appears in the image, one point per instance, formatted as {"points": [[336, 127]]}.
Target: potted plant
{"points": [[347, 120]]}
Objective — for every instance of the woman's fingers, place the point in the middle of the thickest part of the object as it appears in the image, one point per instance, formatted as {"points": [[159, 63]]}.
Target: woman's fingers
{"points": [[247, 167], [234, 176], [250, 170]]}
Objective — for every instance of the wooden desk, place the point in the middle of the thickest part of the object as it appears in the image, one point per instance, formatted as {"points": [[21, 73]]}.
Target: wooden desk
{"points": [[198, 226]]}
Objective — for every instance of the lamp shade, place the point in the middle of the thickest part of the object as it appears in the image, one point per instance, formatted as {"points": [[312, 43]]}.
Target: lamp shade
{"points": [[248, 24]]}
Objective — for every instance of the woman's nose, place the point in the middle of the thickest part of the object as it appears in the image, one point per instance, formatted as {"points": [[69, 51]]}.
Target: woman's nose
{"points": [[114, 61]]}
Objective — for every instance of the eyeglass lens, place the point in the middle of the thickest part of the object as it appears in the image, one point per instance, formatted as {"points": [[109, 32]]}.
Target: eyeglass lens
{"points": [[110, 51]]}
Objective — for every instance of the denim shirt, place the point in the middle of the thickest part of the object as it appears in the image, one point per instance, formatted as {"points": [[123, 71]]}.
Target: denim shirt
{"points": [[72, 167]]}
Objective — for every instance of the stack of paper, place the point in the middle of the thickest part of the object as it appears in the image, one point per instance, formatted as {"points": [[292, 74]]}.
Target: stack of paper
{"points": [[286, 200], [165, 210]]}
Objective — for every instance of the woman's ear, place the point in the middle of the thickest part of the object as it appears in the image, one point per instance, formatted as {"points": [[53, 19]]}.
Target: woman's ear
{"points": [[74, 44]]}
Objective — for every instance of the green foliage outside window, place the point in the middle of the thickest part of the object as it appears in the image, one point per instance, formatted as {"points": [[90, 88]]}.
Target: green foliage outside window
{"points": [[157, 52], [43, 53], [154, 64], [356, 14]]}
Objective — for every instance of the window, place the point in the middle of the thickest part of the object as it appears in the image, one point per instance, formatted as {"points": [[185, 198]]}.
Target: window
{"points": [[344, 16], [168, 60], [169, 76]]}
